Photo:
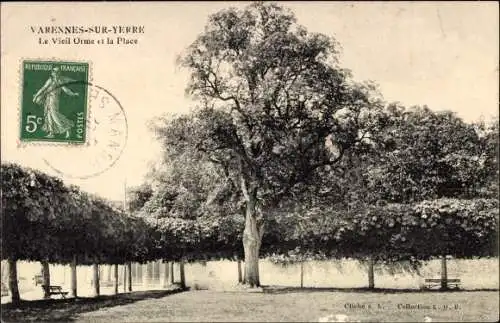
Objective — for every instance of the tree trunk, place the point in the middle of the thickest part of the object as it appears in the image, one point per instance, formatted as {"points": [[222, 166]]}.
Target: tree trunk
{"points": [[97, 291], [165, 274], [182, 274], [240, 278], [13, 286], [124, 276], [46, 279], [116, 278], [73, 277], [371, 275], [444, 273], [129, 273], [172, 281], [252, 237], [302, 274]]}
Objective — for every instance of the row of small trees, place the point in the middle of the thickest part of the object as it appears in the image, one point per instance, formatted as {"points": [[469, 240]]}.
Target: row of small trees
{"points": [[462, 228], [207, 214], [45, 220], [391, 233]]}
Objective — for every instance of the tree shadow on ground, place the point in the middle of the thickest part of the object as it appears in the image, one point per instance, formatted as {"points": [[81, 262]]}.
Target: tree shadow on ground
{"points": [[52, 310], [284, 289]]}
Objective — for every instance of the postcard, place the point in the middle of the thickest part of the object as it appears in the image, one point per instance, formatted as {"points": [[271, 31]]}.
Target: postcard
{"points": [[250, 161]]}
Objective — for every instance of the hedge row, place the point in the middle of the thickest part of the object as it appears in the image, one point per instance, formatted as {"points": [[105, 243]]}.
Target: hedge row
{"points": [[45, 220]]}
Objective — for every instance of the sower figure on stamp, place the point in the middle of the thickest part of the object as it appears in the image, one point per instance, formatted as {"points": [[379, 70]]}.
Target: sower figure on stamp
{"points": [[54, 122]]}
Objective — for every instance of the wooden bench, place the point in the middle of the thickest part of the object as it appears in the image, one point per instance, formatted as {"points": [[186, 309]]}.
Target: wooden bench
{"points": [[56, 290], [436, 282]]}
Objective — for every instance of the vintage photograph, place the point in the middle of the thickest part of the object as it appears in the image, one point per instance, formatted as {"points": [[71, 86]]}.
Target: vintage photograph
{"points": [[265, 161]]}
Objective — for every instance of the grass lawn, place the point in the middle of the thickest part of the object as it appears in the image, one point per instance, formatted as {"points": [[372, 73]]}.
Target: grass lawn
{"points": [[306, 305]]}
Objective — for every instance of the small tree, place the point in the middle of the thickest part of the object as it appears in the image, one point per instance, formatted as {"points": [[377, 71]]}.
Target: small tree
{"points": [[44, 220], [31, 203]]}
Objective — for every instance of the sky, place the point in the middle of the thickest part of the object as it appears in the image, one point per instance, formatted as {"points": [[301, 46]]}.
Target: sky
{"points": [[444, 55]]}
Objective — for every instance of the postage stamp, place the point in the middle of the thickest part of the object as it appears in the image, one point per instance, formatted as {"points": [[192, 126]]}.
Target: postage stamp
{"points": [[54, 101]]}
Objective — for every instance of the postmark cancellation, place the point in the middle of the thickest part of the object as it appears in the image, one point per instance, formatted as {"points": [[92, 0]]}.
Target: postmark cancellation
{"points": [[78, 128]]}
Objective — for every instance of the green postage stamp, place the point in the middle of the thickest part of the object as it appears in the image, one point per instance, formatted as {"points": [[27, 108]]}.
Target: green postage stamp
{"points": [[54, 101]]}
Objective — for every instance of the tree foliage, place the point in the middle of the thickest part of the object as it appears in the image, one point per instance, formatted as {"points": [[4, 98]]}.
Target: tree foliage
{"points": [[394, 232], [193, 212], [430, 155], [275, 106], [45, 220]]}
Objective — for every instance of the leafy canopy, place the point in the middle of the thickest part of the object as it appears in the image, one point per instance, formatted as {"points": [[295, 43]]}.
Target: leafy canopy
{"points": [[274, 105]]}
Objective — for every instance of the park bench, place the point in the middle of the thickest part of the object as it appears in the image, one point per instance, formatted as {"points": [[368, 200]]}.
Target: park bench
{"points": [[436, 282], [56, 290]]}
